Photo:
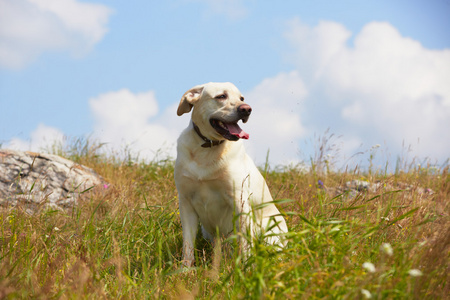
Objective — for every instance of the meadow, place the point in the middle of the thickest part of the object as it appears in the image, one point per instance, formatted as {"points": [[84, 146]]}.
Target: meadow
{"points": [[123, 240]]}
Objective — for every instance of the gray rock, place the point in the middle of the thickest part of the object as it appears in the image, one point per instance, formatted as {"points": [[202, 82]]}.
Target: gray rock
{"points": [[35, 180], [357, 185], [361, 186], [354, 188]]}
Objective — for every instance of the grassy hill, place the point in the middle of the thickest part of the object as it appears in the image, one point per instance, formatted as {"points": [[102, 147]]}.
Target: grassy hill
{"points": [[124, 240]]}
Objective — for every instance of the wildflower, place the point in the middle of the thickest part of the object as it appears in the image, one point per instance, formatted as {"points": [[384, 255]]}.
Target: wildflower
{"points": [[105, 186], [320, 183], [366, 294], [56, 229], [415, 273], [370, 267], [387, 248], [335, 229]]}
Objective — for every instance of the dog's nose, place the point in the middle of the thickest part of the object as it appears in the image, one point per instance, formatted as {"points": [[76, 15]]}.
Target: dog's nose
{"points": [[245, 110]]}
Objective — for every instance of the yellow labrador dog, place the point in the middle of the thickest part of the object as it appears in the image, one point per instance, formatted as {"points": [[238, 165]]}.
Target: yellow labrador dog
{"points": [[215, 178]]}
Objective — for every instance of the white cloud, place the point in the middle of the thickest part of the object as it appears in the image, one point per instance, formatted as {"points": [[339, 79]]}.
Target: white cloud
{"points": [[275, 123], [128, 123], [314, 48], [383, 88], [43, 137], [127, 120], [31, 27]]}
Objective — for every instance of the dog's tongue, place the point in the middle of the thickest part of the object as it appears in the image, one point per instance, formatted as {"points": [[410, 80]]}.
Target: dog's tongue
{"points": [[234, 129]]}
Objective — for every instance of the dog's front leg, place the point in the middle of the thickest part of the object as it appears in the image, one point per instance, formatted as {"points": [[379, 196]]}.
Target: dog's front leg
{"points": [[189, 224]]}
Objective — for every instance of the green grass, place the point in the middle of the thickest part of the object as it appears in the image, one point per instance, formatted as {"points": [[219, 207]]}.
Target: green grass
{"points": [[124, 241]]}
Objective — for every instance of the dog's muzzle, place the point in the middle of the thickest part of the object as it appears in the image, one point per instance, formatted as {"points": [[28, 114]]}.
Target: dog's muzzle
{"points": [[231, 130]]}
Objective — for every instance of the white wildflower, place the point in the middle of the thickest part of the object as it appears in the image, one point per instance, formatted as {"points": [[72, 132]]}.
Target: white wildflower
{"points": [[370, 267], [366, 294], [56, 229], [387, 248], [334, 229], [415, 272]]}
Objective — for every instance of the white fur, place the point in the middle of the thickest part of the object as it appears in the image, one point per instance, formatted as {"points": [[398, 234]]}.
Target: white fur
{"points": [[214, 184]]}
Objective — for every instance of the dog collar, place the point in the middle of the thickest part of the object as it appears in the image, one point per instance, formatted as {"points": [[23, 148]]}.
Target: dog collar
{"points": [[208, 143]]}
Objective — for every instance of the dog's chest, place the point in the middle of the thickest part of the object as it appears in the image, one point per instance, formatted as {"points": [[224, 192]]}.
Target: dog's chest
{"points": [[214, 203], [212, 193], [209, 191]]}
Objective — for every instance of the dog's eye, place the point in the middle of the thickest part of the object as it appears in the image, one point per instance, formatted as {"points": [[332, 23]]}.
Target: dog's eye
{"points": [[242, 98], [223, 96]]}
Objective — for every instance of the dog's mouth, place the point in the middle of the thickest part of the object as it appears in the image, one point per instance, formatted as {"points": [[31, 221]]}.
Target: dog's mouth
{"points": [[229, 130]]}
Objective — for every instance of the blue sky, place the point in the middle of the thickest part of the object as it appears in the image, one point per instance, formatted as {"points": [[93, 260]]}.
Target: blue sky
{"points": [[373, 72]]}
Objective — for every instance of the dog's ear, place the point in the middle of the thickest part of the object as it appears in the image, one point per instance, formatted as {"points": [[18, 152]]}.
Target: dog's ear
{"points": [[188, 99]]}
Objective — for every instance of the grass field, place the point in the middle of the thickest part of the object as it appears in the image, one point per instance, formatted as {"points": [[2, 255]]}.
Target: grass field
{"points": [[124, 240]]}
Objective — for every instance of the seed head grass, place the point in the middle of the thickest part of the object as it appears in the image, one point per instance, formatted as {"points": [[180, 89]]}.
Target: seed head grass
{"points": [[124, 239]]}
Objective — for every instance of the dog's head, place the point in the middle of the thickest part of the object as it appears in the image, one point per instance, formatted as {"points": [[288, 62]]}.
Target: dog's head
{"points": [[217, 109]]}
